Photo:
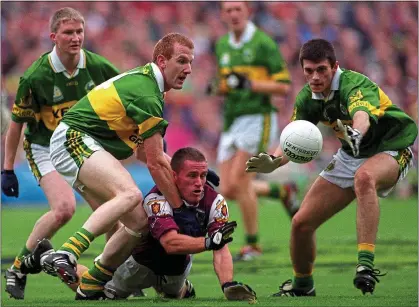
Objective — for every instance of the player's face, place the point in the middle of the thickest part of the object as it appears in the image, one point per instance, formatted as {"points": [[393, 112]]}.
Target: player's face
{"points": [[191, 179], [235, 14], [69, 37], [319, 75], [178, 67]]}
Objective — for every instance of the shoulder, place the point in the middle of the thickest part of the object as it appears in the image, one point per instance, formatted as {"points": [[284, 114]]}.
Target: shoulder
{"points": [[351, 80], [222, 42], [155, 204], [38, 68], [264, 38], [95, 59], [304, 94]]}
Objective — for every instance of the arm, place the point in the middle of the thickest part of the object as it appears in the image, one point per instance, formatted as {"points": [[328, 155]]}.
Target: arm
{"points": [[11, 144], [270, 87], [361, 122], [223, 265], [176, 243], [160, 169]]}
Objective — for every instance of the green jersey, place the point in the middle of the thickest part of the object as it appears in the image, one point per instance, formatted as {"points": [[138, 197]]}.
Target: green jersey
{"points": [[257, 56], [391, 128], [46, 91], [123, 111]]}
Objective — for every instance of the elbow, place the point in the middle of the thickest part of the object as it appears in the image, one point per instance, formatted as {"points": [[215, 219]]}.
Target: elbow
{"points": [[155, 164]]}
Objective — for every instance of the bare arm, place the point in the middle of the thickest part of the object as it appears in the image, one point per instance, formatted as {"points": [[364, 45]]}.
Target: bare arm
{"points": [[160, 169], [140, 155], [223, 264], [270, 87], [11, 144], [361, 122], [176, 243]]}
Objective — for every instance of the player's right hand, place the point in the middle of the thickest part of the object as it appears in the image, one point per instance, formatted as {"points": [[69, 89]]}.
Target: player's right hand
{"points": [[263, 163], [9, 183], [220, 237]]}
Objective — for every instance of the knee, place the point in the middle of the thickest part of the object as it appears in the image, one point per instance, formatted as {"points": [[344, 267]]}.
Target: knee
{"points": [[64, 212], [364, 182], [301, 225], [132, 198]]}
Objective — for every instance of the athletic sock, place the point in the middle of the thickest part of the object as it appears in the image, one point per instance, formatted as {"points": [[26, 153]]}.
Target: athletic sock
{"points": [[78, 243], [18, 260], [96, 278], [366, 255], [252, 240], [303, 281], [277, 190]]}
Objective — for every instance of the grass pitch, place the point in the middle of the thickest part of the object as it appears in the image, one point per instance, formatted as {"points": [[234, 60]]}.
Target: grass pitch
{"points": [[396, 253]]}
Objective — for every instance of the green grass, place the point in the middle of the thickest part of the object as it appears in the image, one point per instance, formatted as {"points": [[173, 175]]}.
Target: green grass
{"points": [[396, 252]]}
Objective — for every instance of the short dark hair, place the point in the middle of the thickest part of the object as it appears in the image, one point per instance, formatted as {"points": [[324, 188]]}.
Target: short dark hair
{"points": [[183, 154], [165, 46], [317, 50]]}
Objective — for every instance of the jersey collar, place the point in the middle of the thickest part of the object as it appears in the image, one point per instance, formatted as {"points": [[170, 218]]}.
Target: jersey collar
{"points": [[159, 76], [246, 36], [334, 87], [58, 66]]}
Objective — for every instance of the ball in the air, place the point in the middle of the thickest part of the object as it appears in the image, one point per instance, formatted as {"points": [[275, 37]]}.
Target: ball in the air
{"points": [[301, 141]]}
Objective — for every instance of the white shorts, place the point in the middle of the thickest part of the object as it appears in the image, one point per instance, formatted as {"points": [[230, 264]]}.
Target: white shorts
{"points": [[341, 170], [38, 159], [68, 150], [132, 276], [251, 133]]}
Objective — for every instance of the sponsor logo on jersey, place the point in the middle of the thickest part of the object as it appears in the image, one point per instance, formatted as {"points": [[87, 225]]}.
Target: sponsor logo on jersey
{"points": [[225, 59], [72, 83], [58, 95], [136, 139], [89, 86], [52, 115], [248, 55]]}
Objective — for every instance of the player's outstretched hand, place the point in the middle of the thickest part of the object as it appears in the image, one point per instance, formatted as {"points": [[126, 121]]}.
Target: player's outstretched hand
{"points": [[9, 183], [237, 291], [263, 163], [352, 136], [220, 237]]}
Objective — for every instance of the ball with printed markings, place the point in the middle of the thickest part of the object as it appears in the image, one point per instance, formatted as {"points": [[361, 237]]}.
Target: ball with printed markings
{"points": [[301, 141]]}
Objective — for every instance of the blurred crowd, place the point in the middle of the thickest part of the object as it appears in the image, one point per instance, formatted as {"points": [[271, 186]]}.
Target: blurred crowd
{"points": [[379, 39]]}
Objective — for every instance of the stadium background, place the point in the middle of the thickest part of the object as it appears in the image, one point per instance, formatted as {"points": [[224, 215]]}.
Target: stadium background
{"points": [[379, 39]]}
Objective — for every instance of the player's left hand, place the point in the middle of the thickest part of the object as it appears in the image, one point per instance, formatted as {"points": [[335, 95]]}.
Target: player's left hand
{"points": [[213, 179], [238, 81], [263, 163], [237, 291], [352, 136]]}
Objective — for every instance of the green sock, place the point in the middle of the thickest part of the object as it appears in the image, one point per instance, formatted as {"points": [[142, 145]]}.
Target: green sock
{"points": [[274, 190], [252, 239], [366, 255], [18, 260], [78, 243], [305, 282], [96, 278]]}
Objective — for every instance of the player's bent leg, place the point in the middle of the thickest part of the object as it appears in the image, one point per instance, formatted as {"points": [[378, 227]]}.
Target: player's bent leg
{"points": [[322, 201], [377, 173]]}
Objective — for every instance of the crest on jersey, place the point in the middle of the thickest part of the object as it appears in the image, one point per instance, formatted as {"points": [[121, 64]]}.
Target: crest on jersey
{"points": [[221, 212], [225, 59], [248, 55], [89, 86], [58, 95], [146, 70], [26, 101], [155, 208]]}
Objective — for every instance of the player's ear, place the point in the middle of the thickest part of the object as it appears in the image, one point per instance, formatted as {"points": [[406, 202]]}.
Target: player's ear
{"points": [[52, 37], [161, 61]]}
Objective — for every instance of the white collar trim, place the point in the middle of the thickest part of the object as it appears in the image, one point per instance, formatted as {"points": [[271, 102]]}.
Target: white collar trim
{"points": [[159, 76], [246, 36], [334, 87], [58, 66]]}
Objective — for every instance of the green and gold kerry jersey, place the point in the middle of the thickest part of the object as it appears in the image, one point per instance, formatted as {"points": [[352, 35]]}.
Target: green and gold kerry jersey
{"points": [[46, 91], [121, 112], [257, 56], [391, 128]]}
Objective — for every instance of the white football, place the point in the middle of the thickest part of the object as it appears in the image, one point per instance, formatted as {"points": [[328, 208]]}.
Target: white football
{"points": [[301, 141]]}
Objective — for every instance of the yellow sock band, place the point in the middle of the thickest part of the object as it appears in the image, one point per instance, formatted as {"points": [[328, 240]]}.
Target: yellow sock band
{"points": [[366, 247], [301, 275]]}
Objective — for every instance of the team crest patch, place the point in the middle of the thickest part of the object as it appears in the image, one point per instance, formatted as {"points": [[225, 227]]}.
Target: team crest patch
{"points": [[356, 97], [26, 101], [221, 212], [225, 59], [155, 208], [146, 70], [58, 95], [89, 86]]}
